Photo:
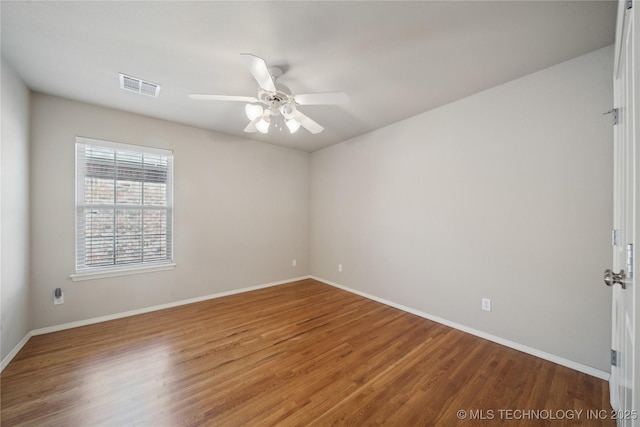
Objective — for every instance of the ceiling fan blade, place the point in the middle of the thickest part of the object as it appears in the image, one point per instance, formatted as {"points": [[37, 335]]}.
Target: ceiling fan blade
{"points": [[251, 127], [327, 98], [260, 72], [205, 97], [307, 123]]}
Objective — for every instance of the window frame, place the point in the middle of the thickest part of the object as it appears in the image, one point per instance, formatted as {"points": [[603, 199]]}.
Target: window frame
{"points": [[113, 270]]}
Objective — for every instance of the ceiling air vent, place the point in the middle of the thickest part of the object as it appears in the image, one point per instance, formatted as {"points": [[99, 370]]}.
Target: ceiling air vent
{"points": [[135, 84]]}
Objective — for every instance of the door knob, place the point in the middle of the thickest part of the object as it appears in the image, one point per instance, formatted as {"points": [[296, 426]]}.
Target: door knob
{"points": [[611, 278]]}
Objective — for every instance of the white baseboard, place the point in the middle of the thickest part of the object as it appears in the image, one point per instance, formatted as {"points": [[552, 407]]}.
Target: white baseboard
{"points": [[507, 343], [9, 357], [517, 346], [106, 318]]}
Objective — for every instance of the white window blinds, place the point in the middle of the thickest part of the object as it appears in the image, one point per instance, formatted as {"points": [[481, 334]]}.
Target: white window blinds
{"points": [[124, 205]]}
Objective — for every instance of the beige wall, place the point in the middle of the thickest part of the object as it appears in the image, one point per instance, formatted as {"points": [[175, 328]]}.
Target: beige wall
{"points": [[14, 210], [241, 212], [504, 195]]}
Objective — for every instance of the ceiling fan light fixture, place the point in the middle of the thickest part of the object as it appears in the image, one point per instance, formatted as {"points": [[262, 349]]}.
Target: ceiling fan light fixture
{"points": [[253, 111], [263, 124], [293, 125]]}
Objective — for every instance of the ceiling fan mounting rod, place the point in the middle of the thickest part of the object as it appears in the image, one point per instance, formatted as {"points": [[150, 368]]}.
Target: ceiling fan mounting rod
{"points": [[275, 72]]}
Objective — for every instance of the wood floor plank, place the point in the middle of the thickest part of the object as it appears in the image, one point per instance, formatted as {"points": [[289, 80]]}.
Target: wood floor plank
{"points": [[299, 354]]}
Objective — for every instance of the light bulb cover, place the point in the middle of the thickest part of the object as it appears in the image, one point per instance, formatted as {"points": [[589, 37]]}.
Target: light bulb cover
{"points": [[253, 111], [293, 125], [288, 111], [263, 124]]}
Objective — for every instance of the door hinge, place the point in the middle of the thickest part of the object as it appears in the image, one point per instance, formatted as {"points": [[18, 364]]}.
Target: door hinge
{"points": [[615, 116], [614, 358], [629, 4], [630, 260], [615, 237]]}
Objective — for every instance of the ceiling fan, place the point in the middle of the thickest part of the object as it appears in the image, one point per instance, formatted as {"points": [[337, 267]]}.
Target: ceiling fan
{"points": [[274, 100]]}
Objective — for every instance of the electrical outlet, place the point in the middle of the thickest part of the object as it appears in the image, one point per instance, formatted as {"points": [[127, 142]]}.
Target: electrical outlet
{"points": [[294, 263], [340, 268], [486, 304], [58, 300]]}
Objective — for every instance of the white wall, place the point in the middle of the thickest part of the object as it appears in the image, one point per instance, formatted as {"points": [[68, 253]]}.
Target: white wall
{"points": [[505, 194], [241, 212], [14, 210]]}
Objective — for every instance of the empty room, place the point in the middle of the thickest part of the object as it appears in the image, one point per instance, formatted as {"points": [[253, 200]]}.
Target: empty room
{"points": [[296, 213]]}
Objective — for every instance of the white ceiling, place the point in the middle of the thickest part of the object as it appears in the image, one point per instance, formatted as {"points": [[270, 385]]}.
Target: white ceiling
{"points": [[394, 59]]}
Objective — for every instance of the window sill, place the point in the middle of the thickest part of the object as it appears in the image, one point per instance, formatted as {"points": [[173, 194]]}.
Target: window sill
{"points": [[126, 271]]}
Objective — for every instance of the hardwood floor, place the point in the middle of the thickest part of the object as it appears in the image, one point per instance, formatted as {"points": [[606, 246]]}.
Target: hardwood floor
{"points": [[300, 354]]}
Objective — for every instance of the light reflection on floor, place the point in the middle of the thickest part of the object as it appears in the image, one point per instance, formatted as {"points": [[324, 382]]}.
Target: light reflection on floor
{"points": [[128, 386]]}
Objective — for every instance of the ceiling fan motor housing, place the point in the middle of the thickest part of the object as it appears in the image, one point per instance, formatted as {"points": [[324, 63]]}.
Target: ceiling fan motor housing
{"points": [[278, 102]]}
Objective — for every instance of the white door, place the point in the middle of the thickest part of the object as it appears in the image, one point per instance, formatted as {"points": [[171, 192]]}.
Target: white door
{"points": [[623, 382]]}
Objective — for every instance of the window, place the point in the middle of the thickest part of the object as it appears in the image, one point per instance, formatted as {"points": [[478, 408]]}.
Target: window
{"points": [[124, 207]]}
